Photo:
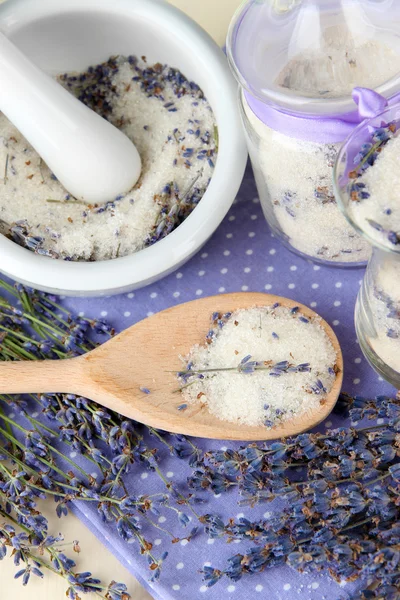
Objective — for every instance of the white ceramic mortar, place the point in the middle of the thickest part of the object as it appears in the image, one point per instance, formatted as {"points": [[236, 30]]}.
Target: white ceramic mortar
{"points": [[63, 36]]}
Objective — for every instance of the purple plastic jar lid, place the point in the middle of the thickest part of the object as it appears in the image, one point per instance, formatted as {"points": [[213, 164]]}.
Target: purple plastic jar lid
{"points": [[265, 34]]}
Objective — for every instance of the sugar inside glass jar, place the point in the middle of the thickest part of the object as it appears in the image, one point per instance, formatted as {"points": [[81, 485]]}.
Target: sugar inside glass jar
{"points": [[378, 315], [298, 62], [367, 187]]}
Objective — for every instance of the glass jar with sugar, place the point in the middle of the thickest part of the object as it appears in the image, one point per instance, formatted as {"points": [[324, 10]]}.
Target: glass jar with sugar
{"points": [[378, 315], [298, 62], [367, 188]]}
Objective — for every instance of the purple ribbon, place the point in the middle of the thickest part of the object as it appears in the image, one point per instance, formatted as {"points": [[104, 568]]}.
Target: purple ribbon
{"points": [[332, 129]]}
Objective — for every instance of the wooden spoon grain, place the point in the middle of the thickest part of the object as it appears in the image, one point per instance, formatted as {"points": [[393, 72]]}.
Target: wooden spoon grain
{"points": [[147, 355]]}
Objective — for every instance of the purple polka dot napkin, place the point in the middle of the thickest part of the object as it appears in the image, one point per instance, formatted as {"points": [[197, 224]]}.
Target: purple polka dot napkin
{"points": [[242, 255]]}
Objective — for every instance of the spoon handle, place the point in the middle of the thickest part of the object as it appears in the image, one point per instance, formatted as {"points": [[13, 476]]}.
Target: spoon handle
{"points": [[35, 377]]}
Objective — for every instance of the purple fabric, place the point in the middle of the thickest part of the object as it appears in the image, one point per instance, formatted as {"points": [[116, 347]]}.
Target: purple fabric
{"points": [[330, 129], [242, 255]]}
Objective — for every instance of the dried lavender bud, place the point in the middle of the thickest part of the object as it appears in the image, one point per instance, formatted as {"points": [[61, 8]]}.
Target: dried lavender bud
{"points": [[341, 514]]}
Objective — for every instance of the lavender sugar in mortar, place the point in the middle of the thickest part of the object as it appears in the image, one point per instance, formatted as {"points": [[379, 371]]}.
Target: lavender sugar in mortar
{"points": [[173, 127], [260, 366]]}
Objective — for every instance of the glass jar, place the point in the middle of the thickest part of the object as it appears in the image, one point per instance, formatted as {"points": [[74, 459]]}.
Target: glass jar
{"points": [[376, 216], [377, 315], [297, 62]]}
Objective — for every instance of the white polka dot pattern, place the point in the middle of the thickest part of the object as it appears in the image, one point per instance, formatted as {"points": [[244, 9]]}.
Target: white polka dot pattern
{"points": [[242, 255]]}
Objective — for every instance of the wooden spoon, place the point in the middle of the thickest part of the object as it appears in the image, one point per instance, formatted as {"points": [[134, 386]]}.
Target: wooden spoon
{"points": [[147, 356]]}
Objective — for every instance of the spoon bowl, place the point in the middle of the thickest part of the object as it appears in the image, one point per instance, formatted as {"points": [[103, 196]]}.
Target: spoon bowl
{"points": [[146, 357]]}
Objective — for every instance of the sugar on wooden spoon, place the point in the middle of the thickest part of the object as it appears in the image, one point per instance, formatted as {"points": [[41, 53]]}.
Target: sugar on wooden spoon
{"points": [[147, 357]]}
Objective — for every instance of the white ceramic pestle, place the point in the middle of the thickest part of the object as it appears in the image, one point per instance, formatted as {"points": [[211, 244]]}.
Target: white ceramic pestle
{"points": [[92, 159]]}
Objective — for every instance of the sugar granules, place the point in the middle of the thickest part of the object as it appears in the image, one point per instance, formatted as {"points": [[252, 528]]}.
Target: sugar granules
{"points": [[261, 366], [294, 176], [174, 130], [294, 179], [374, 191], [383, 328]]}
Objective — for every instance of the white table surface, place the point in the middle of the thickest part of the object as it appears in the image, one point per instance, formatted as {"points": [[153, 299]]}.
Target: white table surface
{"points": [[213, 15]]}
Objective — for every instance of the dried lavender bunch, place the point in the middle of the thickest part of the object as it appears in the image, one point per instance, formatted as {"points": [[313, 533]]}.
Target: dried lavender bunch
{"points": [[341, 508], [36, 552], [341, 513], [35, 457]]}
